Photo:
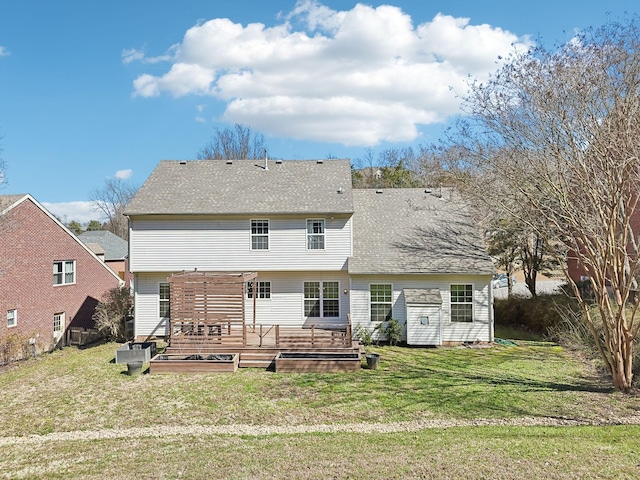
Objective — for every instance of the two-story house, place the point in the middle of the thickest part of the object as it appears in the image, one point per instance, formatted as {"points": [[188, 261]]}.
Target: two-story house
{"points": [[49, 280], [324, 254]]}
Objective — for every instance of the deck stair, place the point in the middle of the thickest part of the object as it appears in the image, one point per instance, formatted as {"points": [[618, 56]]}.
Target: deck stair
{"points": [[256, 359]]}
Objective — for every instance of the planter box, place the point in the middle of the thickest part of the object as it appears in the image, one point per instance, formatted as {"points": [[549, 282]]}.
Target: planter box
{"points": [[136, 352], [317, 362], [175, 363]]}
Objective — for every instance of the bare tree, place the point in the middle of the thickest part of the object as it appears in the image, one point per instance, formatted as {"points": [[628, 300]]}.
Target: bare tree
{"points": [[111, 200], [237, 143], [558, 134]]}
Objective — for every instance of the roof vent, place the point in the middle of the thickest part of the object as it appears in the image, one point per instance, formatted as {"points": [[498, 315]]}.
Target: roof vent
{"points": [[183, 162], [319, 161], [229, 162], [340, 191], [278, 162], [378, 191]]}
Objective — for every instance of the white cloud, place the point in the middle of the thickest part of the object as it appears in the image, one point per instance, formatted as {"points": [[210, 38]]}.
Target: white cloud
{"points": [[134, 55], [357, 77], [80, 211], [4, 52], [123, 174]]}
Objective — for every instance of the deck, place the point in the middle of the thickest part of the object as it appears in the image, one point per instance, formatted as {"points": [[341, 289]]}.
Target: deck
{"points": [[258, 345]]}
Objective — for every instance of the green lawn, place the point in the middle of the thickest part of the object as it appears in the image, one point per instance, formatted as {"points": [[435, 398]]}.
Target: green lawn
{"points": [[82, 390]]}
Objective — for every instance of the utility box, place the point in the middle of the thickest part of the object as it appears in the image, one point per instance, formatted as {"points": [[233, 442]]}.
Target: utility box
{"points": [[136, 352]]}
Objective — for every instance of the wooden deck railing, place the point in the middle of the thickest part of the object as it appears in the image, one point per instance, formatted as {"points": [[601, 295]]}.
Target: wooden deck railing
{"points": [[229, 333]]}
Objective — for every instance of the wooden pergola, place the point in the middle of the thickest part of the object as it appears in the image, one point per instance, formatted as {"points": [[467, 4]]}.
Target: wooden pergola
{"points": [[208, 307]]}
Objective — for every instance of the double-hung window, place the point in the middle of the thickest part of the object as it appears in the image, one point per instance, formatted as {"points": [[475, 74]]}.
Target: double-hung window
{"points": [[264, 290], [461, 303], [260, 234], [381, 298], [64, 272], [322, 299], [164, 300], [12, 318], [315, 234]]}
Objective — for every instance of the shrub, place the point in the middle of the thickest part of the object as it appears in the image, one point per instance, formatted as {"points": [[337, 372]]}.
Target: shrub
{"points": [[112, 312], [572, 332], [14, 347], [539, 314], [392, 330], [363, 335]]}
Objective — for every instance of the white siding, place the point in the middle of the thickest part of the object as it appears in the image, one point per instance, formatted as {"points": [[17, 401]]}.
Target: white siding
{"points": [[225, 245], [285, 307], [480, 329], [147, 304], [424, 334]]}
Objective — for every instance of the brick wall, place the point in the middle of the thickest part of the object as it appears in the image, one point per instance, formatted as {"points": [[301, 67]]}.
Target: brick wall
{"points": [[30, 241]]}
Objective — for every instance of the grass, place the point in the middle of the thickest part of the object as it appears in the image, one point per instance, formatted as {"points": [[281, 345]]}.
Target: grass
{"points": [[75, 390]]}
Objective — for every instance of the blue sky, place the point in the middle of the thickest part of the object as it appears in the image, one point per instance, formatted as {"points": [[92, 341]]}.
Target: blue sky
{"points": [[94, 90]]}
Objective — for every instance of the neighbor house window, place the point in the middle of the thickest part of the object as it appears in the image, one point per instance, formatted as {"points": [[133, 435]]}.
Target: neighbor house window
{"points": [[64, 272], [315, 234], [381, 302], [322, 299], [462, 303], [259, 234], [58, 322], [264, 290], [12, 318], [164, 300]]}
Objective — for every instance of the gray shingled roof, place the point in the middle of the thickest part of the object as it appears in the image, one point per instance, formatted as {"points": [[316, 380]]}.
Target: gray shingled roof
{"points": [[115, 248], [423, 296], [410, 231], [7, 200], [245, 187]]}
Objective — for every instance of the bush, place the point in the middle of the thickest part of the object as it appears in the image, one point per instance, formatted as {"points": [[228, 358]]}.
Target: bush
{"points": [[539, 314], [392, 330], [572, 332], [363, 335], [14, 347], [112, 312]]}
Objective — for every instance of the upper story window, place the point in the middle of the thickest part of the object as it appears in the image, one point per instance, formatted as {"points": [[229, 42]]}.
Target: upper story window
{"points": [[264, 290], [260, 234], [315, 234], [164, 306], [64, 272], [12, 318], [462, 303]]}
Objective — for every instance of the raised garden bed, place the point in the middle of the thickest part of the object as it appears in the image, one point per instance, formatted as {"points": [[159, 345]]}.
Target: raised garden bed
{"points": [[174, 363], [317, 362], [136, 352]]}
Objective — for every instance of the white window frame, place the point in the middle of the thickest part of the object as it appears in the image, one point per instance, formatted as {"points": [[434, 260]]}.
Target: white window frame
{"points": [[321, 299], [257, 226], [12, 317], [313, 237], [162, 301], [471, 303], [63, 272], [378, 302], [264, 290]]}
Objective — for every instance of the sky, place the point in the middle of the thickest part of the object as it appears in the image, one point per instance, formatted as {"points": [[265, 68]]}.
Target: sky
{"points": [[96, 90]]}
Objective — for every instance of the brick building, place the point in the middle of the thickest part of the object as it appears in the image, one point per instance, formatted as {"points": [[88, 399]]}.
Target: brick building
{"points": [[49, 280]]}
